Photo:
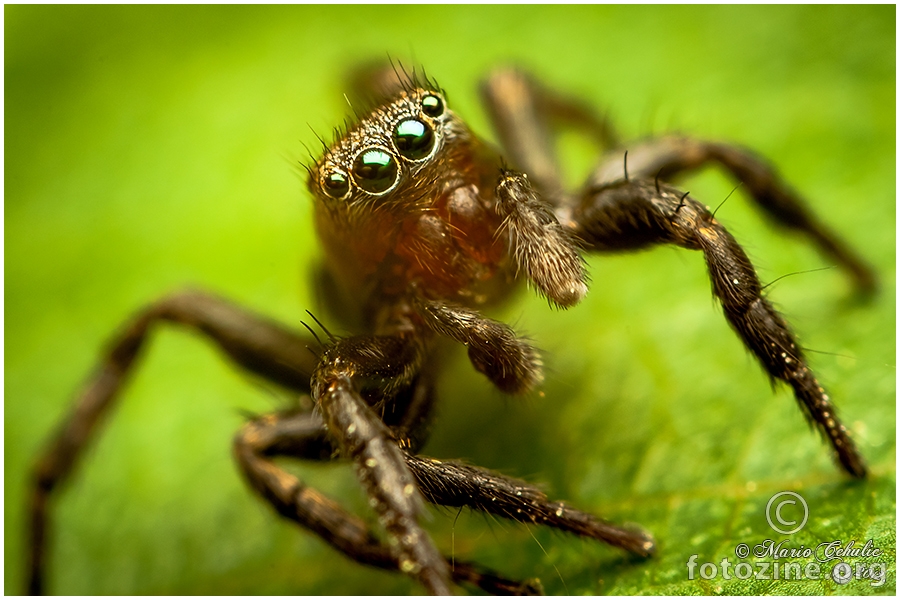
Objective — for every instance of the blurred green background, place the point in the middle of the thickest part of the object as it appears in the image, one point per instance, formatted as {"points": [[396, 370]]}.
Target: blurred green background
{"points": [[150, 148]]}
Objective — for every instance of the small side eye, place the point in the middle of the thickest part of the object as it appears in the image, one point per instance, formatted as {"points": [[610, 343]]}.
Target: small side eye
{"points": [[432, 105], [336, 185], [375, 171], [413, 139]]}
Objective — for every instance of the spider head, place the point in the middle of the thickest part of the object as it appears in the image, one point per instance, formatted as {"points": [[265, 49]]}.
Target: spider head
{"points": [[390, 157]]}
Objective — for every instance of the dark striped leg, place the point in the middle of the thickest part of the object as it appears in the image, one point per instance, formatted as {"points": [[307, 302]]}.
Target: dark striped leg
{"points": [[634, 214], [449, 483], [304, 436], [668, 157], [526, 116], [379, 367], [254, 343], [511, 363]]}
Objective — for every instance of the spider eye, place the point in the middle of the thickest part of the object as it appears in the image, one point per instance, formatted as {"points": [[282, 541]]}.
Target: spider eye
{"points": [[432, 105], [336, 185], [413, 139], [375, 171]]}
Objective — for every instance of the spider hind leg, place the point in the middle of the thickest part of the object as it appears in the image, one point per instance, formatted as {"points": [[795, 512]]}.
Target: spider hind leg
{"points": [[629, 215]]}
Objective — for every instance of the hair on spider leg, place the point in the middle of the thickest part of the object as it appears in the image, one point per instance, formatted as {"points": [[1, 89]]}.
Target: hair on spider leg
{"points": [[804, 272], [681, 203], [453, 538], [825, 352], [777, 279], [733, 190], [544, 550], [625, 165]]}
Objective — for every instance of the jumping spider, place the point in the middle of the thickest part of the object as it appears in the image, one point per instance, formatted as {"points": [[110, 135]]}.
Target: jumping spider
{"points": [[424, 225]]}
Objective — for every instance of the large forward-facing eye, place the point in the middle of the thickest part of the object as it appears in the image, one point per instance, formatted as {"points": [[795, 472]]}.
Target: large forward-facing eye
{"points": [[375, 171], [336, 185], [413, 139]]}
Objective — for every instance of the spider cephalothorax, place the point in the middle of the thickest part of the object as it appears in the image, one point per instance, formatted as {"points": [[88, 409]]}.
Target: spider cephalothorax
{"points": [[423, 227]]}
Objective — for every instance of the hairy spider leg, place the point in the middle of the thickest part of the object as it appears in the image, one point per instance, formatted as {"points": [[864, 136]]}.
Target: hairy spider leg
{"points": [[630, 215], [511, 363], [668, 157], [525, 115], [255, 343], [451, 483], [541, 247], [445, 483], [303, 436], [380, 364], [617, 211]]}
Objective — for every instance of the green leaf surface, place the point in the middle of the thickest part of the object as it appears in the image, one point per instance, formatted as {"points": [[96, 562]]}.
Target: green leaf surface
{"points": [[152, 148]]}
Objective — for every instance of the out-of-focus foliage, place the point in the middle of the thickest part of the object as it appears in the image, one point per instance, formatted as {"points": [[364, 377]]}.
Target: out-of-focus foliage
{"points": [[149, 148]]}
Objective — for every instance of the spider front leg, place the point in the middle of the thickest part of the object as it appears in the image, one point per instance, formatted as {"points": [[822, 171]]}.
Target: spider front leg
{"points": [[379, 366], [449, 483], [541, 247], [304, 436], [629, 215], [511, 363], [514, 366]]}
